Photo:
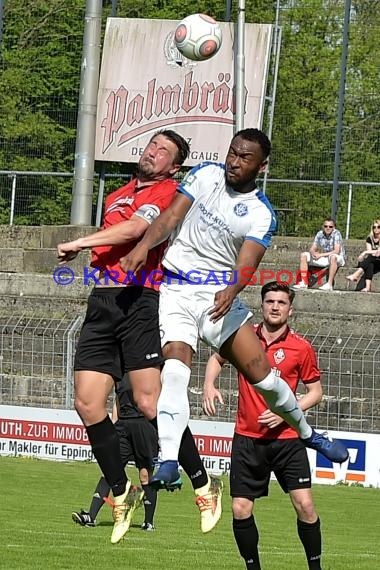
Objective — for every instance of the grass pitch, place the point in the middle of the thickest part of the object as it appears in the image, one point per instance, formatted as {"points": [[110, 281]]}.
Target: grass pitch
{"points": [[36, 530]]}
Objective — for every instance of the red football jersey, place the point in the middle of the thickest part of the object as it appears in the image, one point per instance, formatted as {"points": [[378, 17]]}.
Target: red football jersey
{"points": [[290, 356], [120, 206]]}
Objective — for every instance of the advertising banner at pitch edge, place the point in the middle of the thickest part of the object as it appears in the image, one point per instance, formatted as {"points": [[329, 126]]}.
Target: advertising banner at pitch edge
{"points": [[59, 435]]}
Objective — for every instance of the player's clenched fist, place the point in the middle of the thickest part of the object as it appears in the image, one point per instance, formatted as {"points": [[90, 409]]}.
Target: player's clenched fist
{"points": [[135, 259]]}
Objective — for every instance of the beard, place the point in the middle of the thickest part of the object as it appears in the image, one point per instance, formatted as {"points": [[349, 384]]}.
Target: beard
{"points": [[145, 169]]}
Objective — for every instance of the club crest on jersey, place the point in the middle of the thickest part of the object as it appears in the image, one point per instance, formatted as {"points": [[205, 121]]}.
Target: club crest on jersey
{"points": [[279, 356], [241, 210]]}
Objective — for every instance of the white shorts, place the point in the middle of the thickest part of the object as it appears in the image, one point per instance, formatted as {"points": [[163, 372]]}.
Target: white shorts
{"points": [[324, 261], [184, 315]]}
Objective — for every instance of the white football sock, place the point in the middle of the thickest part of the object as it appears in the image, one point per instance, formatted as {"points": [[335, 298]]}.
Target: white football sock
{"points": [[282, 401], [173, 410]]}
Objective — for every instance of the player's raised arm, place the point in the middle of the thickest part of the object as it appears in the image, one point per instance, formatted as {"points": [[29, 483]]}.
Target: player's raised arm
{"points": [[157, 232], [114, 235]]}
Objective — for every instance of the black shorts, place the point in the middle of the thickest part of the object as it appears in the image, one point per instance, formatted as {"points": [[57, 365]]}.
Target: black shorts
{"points": [[253, 460], [138, 442], [120, 332]]}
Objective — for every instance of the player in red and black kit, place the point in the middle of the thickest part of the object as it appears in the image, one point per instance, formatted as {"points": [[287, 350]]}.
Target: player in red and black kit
{"points": [[262, 441], [138, 444], [120, 333]]}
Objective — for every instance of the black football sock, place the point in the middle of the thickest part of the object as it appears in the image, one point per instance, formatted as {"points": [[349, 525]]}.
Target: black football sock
{"points": [[189, 459], [247, 540], [150, 501], [102, 490], [106, 448], [310, 536]]}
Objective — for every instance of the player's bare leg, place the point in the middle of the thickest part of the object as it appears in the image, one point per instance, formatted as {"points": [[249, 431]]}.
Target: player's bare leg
{"points": [[91, 393], [146, 386]]}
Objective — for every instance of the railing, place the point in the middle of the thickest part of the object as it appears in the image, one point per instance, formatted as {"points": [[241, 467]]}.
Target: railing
{"points": [[44, 198]]}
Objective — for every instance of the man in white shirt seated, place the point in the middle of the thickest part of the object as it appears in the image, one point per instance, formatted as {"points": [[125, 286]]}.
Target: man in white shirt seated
{"points": [[327, 251]]}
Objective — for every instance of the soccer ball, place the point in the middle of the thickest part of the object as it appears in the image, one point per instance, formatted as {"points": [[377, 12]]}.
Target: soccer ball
{"points": [[198, 37]]}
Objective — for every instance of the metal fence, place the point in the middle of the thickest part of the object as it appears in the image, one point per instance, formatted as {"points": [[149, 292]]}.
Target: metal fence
{"points": [[43, 198], [36, 369]]}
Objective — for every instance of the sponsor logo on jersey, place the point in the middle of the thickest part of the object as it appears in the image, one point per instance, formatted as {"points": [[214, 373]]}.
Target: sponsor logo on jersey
{"points": [[213, 220], [119, 204]]}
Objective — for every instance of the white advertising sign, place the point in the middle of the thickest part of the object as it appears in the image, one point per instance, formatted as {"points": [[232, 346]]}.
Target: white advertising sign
{"points": [[146, 85], [60, 435]]}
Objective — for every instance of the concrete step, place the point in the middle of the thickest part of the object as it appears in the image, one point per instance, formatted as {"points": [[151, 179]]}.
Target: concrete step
{"points": [[50, 236], [38, 260], [32, 295], [278, 264], [289, 272], [303, 243], [40, 236], [42, 287]]}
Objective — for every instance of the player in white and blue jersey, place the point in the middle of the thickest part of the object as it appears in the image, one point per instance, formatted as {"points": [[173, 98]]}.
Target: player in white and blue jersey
{"points": [[222, 225]]}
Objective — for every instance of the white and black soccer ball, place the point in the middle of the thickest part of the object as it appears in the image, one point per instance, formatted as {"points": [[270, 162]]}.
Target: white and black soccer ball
{"points": [[198, 37]]}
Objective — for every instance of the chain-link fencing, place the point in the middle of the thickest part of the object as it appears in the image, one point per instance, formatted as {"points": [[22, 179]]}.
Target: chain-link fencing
{"points": [[36, 369]]}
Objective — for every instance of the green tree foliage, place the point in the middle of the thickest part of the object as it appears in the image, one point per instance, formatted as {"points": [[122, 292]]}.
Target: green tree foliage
{"points": [[40, 79], [306, 109]]}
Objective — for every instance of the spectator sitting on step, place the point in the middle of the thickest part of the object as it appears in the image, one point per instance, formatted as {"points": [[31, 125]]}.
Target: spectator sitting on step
{"points": [[368, 261], [327, 251]]}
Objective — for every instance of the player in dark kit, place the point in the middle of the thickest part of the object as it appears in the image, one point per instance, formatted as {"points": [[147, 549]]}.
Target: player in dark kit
{"points": [[138, 444], [121, 331], [262, 441]]}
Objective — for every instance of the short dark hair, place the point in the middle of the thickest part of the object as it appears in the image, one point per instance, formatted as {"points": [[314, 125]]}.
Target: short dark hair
{"points": [[255, 135], [277, 286], [330, 220], [180, 142]]}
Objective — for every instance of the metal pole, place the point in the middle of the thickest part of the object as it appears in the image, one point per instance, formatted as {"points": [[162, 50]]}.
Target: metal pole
{"points": [[13, 199], [1, 21], [240, 68], [276, 56], [349, 205], [277, 47], [81, 206], [102, 176], [114, 9], [228, 11], [342, 89], [99, 203]]}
